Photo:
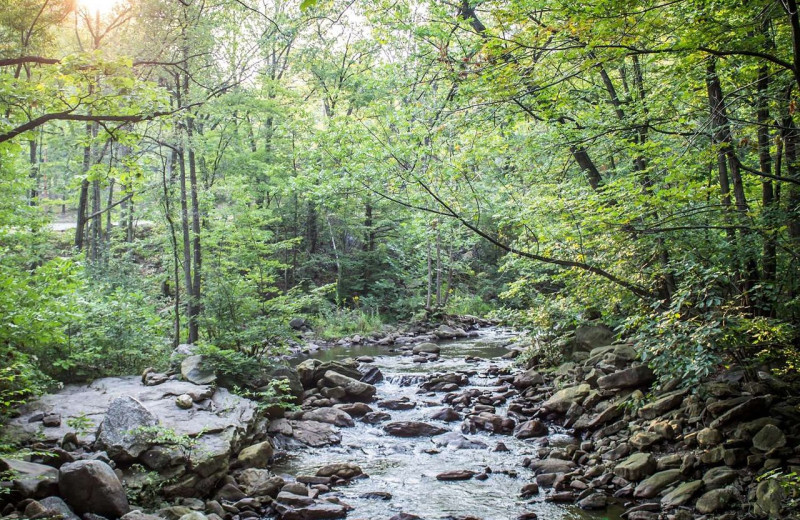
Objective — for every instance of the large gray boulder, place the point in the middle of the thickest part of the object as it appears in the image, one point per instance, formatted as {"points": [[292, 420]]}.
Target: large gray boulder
{"points": [[632, 377], [121, 432], [681, 494], [588, 337], [197, 369], [333, 416], [654, 484], [563, 399], [31, 480], [219, 425], [59, 507], [636, 467], [355, 390], [315, 433], [91, 486]]}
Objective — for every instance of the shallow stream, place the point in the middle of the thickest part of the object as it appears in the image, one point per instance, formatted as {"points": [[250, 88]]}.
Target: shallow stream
{"points": [[407, 467]]}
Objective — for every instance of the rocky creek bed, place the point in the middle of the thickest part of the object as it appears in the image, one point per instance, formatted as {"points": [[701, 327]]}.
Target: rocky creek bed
{"points": [[439, 425]]}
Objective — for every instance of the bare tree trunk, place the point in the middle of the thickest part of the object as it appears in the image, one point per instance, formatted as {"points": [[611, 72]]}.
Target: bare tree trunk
{"points": [[196, 278], [769, 255], [34, 173], [187, 244], [728, 161], [430, 275], [176, 339], [438, 265], [83, 199]]}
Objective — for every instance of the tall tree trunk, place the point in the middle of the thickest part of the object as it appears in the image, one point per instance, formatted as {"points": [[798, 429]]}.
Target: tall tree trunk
{"points": [[83, 198], [197, 257], [312, 233], [169, 167], [438, 264], [728, 162], [187, 246], [769, 256], [429, 295], [34, 171]]}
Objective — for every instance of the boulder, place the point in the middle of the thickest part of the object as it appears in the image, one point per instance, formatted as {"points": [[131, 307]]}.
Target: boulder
{"points": [[714, 501], [654, 484], [461, 474], [593, 501], [749, 409], [641, 440], [719, 477], [314, 433], [588, 337], [257, 482], [121, 432], [59, 507], [563, 399], [528, 379], [31, 480], [256, 456], [531, 428], [446, 414], [426, 348], [277, 373], [355, 409], [91, 486], [197, 369], [770, 496], [639, 375], [344, 470], [636, 467], [768, 438], [448, 332], [356, 390], [292, 499], [329, 415], [681, 494], [709, 437], [413, 429], [491, 422], [662, 405], [370, 375], [397, 404], [550, 465]]}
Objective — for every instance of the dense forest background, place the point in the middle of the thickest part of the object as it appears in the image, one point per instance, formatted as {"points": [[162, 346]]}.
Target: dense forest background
{"points": [[207, 170]]}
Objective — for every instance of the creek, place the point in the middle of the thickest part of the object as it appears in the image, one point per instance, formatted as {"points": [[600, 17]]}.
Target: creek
{"points": [[407, 468]]}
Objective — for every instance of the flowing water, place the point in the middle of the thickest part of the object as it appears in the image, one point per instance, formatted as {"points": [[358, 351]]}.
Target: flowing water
{"points": [[407, 467]]}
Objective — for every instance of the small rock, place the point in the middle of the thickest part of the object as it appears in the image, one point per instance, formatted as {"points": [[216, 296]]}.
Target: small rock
{"points": [[413, 429], [256, 456], [681, 494], [184, 401], [593, 501], [532, 428], [709, 437], [52, 420], [714, 501], [456, 475], [344, 470]]}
